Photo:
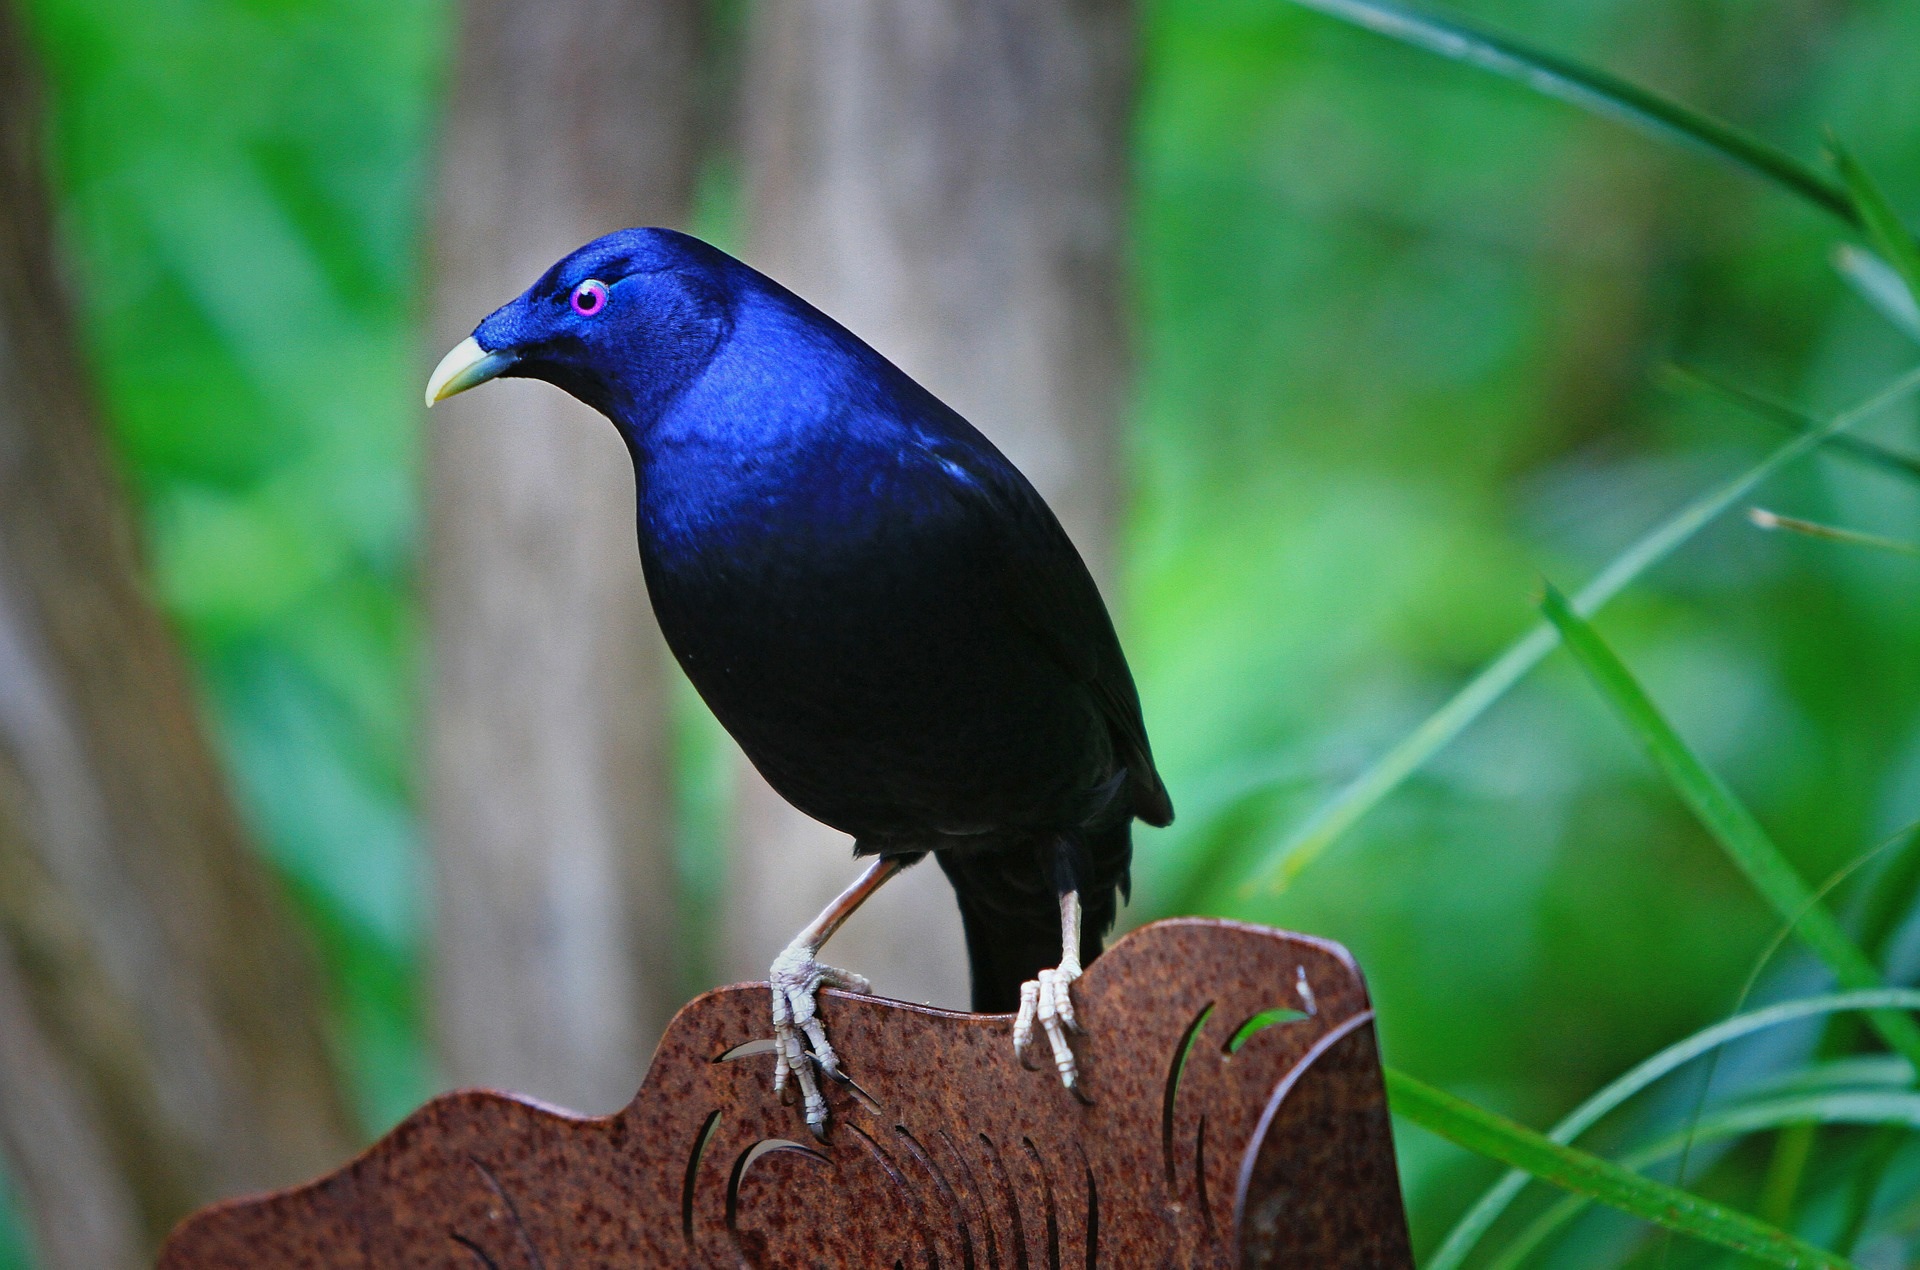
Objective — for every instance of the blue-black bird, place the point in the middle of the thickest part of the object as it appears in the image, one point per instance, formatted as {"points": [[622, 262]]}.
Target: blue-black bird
{"points": [[871, 599]]}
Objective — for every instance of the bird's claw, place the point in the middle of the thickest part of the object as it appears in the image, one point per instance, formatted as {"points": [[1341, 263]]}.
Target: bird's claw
{"points": [[1049, 1001], [794, 982]]}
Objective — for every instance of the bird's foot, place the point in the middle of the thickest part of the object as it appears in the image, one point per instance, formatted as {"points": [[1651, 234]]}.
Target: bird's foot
{"points": [[1048, 1000], [795, 980]]}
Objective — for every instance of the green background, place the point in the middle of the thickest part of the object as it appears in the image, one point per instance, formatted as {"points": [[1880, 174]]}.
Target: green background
{"points": [[1399, 328]]}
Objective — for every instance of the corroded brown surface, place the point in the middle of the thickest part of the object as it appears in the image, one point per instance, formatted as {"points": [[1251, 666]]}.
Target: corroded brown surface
{"points": [[947, 1154]]}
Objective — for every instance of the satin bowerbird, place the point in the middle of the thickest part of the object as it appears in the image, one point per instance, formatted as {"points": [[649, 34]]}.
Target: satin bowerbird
{"points": [[871, 598]]}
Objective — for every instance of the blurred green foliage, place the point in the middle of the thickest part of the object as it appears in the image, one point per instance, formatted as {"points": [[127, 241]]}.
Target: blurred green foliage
{"points": [[241, 191], [1399, 320], [14, 1253], [1398, 329]]}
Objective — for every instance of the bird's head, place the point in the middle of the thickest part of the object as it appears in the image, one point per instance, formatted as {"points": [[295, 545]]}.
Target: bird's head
{"points": [[622, 323]]}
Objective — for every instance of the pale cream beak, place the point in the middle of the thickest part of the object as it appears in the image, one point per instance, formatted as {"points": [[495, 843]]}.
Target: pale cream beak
{"points": [[467, 366]]}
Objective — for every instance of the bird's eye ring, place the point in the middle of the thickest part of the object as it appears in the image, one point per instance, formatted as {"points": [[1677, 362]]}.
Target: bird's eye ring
{"points": [[590, 297]]}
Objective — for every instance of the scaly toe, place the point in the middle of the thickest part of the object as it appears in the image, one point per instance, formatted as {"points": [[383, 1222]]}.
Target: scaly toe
{"points": [[1047, 1001], [800, 1036], [1063, 999], [1023, 1021]]}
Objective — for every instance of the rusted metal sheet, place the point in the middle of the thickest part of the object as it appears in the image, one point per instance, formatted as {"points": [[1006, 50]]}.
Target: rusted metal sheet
{"points": [[1237, 1117]]}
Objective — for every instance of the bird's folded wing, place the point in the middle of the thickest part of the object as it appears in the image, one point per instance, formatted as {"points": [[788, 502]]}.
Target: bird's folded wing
{"points": [[1052, 595]]}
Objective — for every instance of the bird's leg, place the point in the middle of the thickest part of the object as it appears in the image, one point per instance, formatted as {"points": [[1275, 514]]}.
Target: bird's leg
{"points": [[1047, 998], [795, 979]]}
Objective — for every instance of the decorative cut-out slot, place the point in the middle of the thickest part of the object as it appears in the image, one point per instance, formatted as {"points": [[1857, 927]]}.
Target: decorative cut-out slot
{"points": [[977, 1196], [1046, 1202], [1175, 1070], [751, 1049], [1093, 1220], [1260, 1023], [867, 1101], [766, 1146], [1011, 1201], [700, 1141], [1200, 1177], [478, 1253], [956, 1212], [904, 1193]]}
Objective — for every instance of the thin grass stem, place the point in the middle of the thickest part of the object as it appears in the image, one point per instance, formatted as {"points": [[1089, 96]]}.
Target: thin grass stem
{"points": [[1594, 1178], [1764, 519], [1792, 418], [1461, 40], [1882, 225], [1478, 1219], [1899, 1112], [1734, 827], [1310, 840], [1875, 281]]}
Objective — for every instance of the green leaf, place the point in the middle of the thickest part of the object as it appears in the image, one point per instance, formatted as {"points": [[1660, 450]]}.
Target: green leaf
{"points": [[1876, 282], [1854, 1071], [1854, 1107], [1882, 224], [1457, 38], [1590, 1176], [1311, 839], [1728, 820], [1764, 519], [1773, 410], [1869, 1173], [1480, 1218], [1840, 1106]]}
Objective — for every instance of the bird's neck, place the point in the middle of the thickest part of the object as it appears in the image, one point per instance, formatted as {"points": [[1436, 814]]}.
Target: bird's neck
{"points": [[785, 378], [792, 420]]}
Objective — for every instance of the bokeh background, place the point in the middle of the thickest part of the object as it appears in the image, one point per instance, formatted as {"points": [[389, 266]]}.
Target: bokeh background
{"points": [[1351, 347]]}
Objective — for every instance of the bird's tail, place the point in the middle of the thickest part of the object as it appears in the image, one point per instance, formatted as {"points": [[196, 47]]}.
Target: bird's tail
{"points": [[1010, 905]]}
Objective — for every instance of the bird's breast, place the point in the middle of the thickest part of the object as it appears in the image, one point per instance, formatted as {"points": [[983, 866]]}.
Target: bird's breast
{"points": [[853, 638]]}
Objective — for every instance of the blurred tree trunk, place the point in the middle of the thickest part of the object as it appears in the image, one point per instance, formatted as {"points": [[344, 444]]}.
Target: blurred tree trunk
{"points": [[551, 795], [949, 179], [161, 1029]]}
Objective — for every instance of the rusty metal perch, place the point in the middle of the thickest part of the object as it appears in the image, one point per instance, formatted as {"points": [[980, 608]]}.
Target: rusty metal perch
{"points": [[1237, 1118]]}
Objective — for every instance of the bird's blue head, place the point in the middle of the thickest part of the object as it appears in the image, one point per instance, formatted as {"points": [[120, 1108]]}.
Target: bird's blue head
{"points": [[623, 323]]}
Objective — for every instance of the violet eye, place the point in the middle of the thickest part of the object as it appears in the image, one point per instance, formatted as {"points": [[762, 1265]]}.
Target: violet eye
{"points": [[589, 297]]}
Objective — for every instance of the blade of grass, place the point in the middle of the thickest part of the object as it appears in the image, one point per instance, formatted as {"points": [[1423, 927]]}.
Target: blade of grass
{"points": [[1882, 224], [1872, 917], [1844, 1106], [1899, 1111], [1834, 1063], [1838, 1030], [1764, 519], [1876, 282], [1461, 40], [1773, 410], [1310, 840], [1786, 1169], [1727, 819], [1499, 1138], [1850, 1071], [1478, 1219], [1869, 1172], [1889, 894]]}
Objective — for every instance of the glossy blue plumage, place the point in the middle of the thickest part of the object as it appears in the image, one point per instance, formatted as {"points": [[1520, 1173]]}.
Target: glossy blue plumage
{"points": [[869, 596]]}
